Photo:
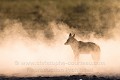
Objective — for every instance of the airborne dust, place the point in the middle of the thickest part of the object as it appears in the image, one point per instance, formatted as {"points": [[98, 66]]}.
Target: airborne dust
{"points": [[41, 52]]}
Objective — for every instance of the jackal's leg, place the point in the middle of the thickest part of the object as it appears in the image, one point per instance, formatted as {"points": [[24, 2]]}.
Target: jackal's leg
{"points": [[96, 57], [76, 58]]}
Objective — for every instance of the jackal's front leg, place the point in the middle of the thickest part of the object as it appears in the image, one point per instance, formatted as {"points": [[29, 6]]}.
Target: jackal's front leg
{"points": [[76, 58]]}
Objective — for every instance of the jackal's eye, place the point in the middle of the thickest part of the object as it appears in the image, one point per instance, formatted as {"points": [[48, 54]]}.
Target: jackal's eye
{"points": [[68, 40]]}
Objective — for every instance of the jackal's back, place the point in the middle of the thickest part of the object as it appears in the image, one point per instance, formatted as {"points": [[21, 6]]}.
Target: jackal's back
{"points": [[88, 47]]}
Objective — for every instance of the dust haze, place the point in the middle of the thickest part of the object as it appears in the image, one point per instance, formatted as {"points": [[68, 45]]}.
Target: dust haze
{"points": [[41, 52]]}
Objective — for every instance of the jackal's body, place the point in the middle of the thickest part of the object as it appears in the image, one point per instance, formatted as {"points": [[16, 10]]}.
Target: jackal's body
{"points": [[80, 47]]}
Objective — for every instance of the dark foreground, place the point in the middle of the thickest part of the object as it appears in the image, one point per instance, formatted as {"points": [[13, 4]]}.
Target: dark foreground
{"points": [[73, 77]]}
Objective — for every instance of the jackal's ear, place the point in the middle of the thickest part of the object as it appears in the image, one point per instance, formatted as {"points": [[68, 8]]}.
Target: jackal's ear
{"points": [[73, 35], [70, 35]]}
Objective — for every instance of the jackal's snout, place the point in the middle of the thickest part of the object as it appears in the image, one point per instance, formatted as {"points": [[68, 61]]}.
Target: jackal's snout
{"points": [[65, 43]]}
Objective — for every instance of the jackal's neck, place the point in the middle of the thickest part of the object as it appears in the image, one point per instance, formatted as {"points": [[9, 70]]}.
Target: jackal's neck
{"points": [[74, 44]]}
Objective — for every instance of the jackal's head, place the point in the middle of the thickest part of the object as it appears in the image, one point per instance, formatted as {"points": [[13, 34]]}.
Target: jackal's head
{"points": [[70, 39]]}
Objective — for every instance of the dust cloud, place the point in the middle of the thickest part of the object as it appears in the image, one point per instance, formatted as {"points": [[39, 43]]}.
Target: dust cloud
{"points": [[21, 55]]}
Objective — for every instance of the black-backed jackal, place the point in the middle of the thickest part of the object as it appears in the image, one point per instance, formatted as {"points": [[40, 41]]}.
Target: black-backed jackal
{"points": [[80, 47]]}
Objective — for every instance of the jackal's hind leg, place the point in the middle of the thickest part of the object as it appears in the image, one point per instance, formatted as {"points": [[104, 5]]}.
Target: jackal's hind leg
{"points": [[96, 56]]}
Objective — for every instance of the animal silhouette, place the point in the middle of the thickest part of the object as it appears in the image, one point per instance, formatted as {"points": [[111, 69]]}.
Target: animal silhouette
{"points": [[80, 47]]}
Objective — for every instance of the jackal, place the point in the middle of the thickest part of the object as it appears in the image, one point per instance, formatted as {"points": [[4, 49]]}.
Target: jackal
{"points": [[80, 47]]}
